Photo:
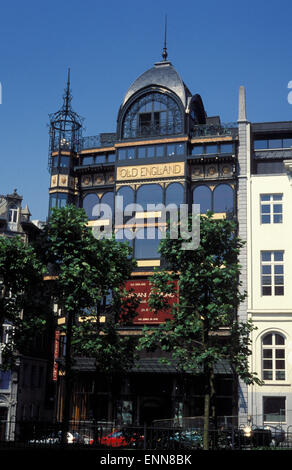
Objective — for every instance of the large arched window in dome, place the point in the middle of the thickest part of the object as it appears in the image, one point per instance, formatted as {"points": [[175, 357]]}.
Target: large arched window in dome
{"points": [[152, 114]]}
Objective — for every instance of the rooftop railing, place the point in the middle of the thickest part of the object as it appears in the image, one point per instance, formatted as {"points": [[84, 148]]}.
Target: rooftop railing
{"points": [[98, 141], [203, 130]]}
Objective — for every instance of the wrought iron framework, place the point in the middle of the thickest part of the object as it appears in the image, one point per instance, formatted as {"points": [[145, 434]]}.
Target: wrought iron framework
{"points": [[151, 115], [96, 141], [65, 127], [203, 130]]}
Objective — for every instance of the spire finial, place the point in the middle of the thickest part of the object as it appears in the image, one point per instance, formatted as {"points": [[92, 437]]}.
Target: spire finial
{"points": [[67, 97], [164, 53]]}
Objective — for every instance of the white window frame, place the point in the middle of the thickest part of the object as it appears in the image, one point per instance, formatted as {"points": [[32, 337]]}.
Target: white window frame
{"points": [[273, 273], [271, 202], [274, 348]]}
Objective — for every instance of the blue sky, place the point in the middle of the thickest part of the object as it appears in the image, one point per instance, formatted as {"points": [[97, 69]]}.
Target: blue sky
{"points": [[215, 46]]}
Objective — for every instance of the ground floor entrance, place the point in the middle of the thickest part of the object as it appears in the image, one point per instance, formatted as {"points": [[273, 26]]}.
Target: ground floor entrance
{"points": [[145, 398]]}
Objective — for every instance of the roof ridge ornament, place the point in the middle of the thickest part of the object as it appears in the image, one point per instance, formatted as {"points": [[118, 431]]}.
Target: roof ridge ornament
{"points": [[67, 95], [164, 52]]}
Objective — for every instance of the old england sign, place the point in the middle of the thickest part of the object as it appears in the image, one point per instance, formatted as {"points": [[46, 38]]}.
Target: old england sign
{"points": [[158, 170]]}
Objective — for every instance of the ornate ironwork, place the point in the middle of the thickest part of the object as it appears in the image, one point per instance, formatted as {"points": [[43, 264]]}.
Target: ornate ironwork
{"points": [[96, 141], [65, 126], [202, 130], [161, 112]]}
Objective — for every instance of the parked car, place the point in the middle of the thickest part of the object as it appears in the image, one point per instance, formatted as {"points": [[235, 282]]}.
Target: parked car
{"points": [[120, 438], [258, 436], [188, 439], [278, 435], [56, 437]]}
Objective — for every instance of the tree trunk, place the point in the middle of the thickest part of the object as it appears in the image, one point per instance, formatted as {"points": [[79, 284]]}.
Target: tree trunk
{"points": [[207, 403]]}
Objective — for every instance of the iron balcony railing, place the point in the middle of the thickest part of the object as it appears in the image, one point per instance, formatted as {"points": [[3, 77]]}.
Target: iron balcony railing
{"points": [[97, 141], [203, 130]]}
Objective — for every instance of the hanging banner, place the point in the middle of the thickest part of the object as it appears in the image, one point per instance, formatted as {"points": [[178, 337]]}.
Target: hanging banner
{"points": [[56, 355], [142, 288]]}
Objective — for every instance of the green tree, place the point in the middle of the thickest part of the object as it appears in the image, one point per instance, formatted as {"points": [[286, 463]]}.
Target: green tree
{"points": [[209, 295], [88, 271], [22, 302]]}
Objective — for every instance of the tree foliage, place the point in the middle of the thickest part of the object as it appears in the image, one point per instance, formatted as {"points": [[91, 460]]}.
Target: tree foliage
{"points": [[89, 278], [209, 295], [22, 296]]}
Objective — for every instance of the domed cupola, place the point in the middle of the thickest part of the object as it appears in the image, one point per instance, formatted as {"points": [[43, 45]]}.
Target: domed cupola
{"points": [[156, 104]]}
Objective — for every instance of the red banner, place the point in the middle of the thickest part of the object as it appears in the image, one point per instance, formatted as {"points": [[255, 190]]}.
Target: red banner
{"points": [[56, 355], [141, 287]]}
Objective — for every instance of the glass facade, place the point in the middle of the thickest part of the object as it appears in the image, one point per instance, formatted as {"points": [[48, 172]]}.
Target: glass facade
{"points": [[152, 114], [58, 200], [220, 200], [149, 194]]}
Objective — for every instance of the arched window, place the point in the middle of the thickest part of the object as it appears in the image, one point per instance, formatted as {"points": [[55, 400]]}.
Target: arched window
{"points": [[223, 198], [202, 195], [127, 193], [152, 114], [174, 194], [108, 199], [149, 194], [146, 243], [12, 213], [89, 203], [273, 357]]}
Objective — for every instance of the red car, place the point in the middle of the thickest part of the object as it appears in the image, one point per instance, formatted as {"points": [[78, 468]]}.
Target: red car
{"points": [[120, 439]]}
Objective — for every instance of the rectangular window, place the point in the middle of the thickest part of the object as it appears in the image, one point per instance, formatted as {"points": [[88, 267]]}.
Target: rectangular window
{"points": [[271, 208], [269, 168], [198, 150], [170, 150], [226, 148], [100, 158], [180, 149], [159, 150], [211, 149], [272, 272], [287, 143], [141, 152], [275, 143], [64, 161], [87, 160], [111, 157], [54, 162], [274, 409], [5, 379], [131, 153], [122, 154], [150, 151], [260, 144]]}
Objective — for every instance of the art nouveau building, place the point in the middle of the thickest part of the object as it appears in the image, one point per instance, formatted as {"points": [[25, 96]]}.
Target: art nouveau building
{"points": [[166, 149]]}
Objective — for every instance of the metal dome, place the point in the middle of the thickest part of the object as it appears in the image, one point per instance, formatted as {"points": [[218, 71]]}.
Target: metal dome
{"points": [[162, 74]]}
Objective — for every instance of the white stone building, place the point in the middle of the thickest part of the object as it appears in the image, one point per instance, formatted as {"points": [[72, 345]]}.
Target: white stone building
{"points": [[267, 151]]}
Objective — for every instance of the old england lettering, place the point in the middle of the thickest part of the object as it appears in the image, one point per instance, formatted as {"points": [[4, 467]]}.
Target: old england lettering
{"points": [[150, 171]]}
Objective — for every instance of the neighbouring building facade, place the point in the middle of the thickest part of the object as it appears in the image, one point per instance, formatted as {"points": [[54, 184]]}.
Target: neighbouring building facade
{"points": [[22, 389], [269, 199]]}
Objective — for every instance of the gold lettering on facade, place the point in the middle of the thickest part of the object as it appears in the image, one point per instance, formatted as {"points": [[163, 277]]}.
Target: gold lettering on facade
{"points": [[162, 170]]}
